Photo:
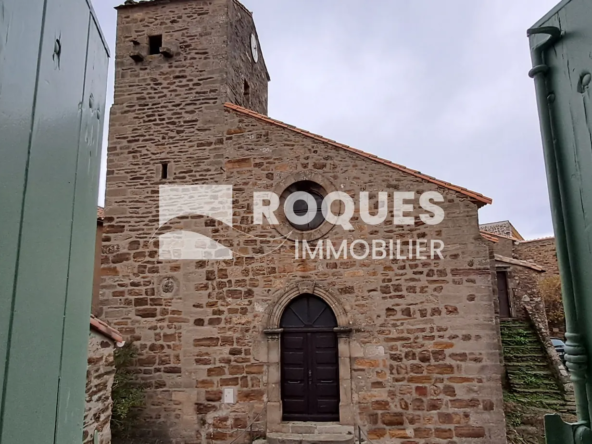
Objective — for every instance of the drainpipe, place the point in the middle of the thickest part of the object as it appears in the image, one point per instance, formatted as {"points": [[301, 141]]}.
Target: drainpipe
{"points": [[576, 356]]}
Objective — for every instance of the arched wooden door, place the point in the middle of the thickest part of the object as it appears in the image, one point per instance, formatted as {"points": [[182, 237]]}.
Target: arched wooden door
{"points": [[310, 361]]}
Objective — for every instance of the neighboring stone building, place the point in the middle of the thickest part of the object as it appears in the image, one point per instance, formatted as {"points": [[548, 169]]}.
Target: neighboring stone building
{"points": [[102, 342], [408, 350], [99, 379], [520, 265], [541, 251], [503, 228]]}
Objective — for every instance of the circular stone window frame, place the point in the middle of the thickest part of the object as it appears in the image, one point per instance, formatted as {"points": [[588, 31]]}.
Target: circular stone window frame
{"points": [[284, 227]]}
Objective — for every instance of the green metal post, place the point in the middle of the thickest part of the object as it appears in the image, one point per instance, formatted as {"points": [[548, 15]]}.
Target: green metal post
{"points": [[560, 45], [53, 69]]}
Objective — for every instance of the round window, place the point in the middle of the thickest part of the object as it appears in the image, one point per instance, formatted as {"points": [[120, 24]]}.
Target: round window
{"points": [[303, 205]]}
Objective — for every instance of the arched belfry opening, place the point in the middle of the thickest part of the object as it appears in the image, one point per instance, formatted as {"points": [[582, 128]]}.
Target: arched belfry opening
{"points": [[309, 361]]}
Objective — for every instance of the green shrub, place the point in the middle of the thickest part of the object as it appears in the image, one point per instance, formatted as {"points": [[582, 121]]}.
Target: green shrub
{"points": [[128, 396], [550, 289]]}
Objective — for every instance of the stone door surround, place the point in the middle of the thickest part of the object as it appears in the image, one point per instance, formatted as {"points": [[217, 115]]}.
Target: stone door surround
{"points": [[273, 332]]}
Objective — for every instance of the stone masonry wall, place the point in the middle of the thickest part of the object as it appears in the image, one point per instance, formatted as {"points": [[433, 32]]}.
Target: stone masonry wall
{"points": [[542, 252], [241, 66], [504, 247], [425, 352], [523, 291], [99, 380], [425, 355]]}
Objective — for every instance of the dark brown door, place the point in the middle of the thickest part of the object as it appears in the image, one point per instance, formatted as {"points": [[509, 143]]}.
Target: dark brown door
{"points": [[310, 366], [502, 293]]}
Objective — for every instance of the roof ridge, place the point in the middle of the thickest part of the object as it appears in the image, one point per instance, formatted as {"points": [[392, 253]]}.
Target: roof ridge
{"points": [[482, 199], [537, 239]]}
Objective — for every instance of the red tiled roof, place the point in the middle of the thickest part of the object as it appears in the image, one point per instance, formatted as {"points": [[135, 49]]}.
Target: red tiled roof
{"points": [[101, 327], [489, 237], [501, 235], [478, 198]]}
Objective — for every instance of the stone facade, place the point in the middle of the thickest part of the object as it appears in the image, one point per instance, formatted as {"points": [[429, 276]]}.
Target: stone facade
{"points": [[527, 263], [524, 263], [99, 379], [523, 289], [419, 352], [541, 252]]}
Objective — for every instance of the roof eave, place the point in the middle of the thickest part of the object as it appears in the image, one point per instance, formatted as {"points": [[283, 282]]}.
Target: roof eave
{"points": [[479, 199], [102, 328]]}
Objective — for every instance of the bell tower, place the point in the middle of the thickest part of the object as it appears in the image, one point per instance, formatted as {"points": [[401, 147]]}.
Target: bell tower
{"points": [[189, 55], [177, 63]]}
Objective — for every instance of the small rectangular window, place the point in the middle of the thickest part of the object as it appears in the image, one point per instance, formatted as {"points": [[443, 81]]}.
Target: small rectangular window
{"points": [[155, 42], [165, 170]]}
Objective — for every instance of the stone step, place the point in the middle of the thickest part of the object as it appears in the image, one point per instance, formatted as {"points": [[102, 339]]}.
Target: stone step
{"points": [[511, 325], [531, 364], [531, 343], [314, 428], [532, 389], [551, 392], [518, 348], [542, 372], [525, 357], [515, 324], [526, 342], [300, 438]]}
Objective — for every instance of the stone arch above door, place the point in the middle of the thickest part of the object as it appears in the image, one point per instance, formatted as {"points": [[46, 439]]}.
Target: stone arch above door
{"points": [[273, 331], [276, 309]]}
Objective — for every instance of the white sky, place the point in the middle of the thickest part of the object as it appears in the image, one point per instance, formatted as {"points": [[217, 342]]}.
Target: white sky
{"points": [[440, 86]]}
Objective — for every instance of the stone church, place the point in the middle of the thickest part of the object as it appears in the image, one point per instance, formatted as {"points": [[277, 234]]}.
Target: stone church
{"points": [[269, 342]]}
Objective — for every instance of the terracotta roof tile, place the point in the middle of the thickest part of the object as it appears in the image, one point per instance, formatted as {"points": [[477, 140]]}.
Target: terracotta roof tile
{"points": [[489, 237], [497, 235], [509, 260], [101, 327], [478, 198]]}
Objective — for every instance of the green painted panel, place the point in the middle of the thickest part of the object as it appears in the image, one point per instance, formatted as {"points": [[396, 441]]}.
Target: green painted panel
{"points": [[76, 327], [20, 33], [57, 182], [569, 159]]}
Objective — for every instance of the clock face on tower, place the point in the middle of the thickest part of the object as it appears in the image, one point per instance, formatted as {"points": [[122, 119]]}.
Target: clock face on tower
{"points": [[254, 48]]}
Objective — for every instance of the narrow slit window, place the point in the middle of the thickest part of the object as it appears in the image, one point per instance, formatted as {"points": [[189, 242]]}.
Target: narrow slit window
{"points": [[246, 92], [155, 42], [165, 170]]}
